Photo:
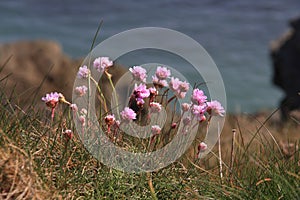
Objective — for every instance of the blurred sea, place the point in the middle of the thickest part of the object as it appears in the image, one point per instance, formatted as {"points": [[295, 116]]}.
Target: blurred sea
{"points": [[235, 33]]}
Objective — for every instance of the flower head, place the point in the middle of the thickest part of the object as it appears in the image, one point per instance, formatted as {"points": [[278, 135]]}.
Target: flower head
{"points": [[162, 73], [174, 84], [102, 63], [198, 97], [185, 107], [140, 102], [68, 134], [173, 125], [184, 86], [153, 93], [82, 120], [83, 72], [83, 111], [198, 112], [128, 114], [155, 107], [214, 108], [117, 123], [159, 82], [202, 147], [155, 130], [141, 91], [178, 87], [138, 73], [81, 90], [181, 95], [74, 107], [51, 99], [109, 119]]}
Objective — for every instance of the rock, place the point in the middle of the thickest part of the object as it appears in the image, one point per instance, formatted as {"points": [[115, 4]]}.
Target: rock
{"points": [[38, 67], [285, 54]]}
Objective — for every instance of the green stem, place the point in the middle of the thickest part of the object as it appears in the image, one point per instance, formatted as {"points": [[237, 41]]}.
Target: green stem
{"points": [[150, 184], [100, 92], [114, 92]]}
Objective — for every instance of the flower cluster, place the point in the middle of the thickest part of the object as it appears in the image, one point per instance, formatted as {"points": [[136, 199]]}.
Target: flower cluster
{"points": [[83, 72], [161, 74], [215, 108], [52, 99], [143, 96], [102, 63], [82, 117], [68, 134], [128, 114], [179, 87], [81, 90], [200, 106], [138, 73], [155, 107], [198, 97]]}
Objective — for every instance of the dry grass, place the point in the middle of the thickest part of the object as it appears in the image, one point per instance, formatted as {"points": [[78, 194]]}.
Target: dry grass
{"points": [[18, 177], [36, 162]]}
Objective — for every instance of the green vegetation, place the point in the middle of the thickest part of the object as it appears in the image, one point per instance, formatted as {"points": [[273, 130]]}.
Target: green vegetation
{"points": [[38, 161]]}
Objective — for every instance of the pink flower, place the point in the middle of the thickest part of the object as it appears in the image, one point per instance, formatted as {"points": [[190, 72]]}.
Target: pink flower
{"points": [[214, 108], [51, 99], [138, 73], [174, 84], [141, 91], [184, 86], [202, 119], [202, 147], [198, 112], [153, 93], [140, 102], [83, 72], [128, 114], [83, 111], [181, 95], [178, 87], [74, 107], [82, 120], [173, 125], [155, 130], [68, 134], [157, 81], [185, 107], [198, 97], [102, 63], [162, 73], [155, 107], [81, 90], [109, 120]]}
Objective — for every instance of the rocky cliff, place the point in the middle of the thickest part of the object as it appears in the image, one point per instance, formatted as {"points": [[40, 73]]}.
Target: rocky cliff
{"points": [[285, 54], [33, 68], [36, 66]]}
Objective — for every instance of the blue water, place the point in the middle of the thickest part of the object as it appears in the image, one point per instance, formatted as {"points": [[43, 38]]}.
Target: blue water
{"points": [[236, 33]]}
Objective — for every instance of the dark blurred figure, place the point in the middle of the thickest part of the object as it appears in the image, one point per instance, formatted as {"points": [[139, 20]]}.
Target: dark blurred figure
{"points": [[285, 53]]}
